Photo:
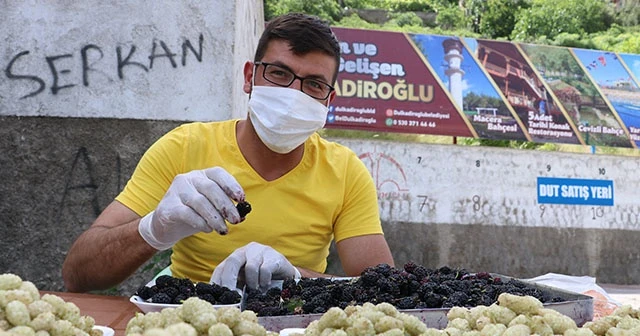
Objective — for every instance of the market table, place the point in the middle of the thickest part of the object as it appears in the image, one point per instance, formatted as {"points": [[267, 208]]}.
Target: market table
{"points": [[110, 311], [116, 311]]}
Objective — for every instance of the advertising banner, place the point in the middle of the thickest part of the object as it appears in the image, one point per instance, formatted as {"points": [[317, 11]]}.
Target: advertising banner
{"points": [[385, 85], [445, 85]]}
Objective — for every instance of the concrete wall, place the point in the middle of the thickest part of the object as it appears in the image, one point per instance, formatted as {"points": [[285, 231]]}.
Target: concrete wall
{"points": [[72, 130], [85, 88], [162, 60], [477, 208], [56, 176]]}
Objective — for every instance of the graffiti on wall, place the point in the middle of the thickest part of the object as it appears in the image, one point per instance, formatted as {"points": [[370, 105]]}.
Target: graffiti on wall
{"points": [[78, 68]]}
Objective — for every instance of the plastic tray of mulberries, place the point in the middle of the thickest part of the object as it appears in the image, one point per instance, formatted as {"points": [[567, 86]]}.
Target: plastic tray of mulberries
{"points": [[144, 297], [577, 306]]}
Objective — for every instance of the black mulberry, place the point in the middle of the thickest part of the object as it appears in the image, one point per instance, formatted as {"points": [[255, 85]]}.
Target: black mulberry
{"points": [[203, 288], [230, 297], [407, 302], [175, 290], [411, 287], [243, 208], [165, 281], [146, 292], [161, 298]]}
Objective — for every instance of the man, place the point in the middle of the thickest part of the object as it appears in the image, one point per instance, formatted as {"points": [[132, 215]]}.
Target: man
{"points": [[304, 191]]}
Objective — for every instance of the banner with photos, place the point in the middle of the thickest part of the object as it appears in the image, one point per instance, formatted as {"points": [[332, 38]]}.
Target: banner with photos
{"points": [[467, 87]]}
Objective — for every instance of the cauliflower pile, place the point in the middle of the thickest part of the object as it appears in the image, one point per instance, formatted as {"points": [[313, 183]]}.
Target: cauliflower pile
{"points": [[512, 315], [24, 312], [197, 317]]}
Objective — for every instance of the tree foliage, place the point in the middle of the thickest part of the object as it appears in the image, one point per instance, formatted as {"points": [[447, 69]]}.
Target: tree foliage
{"points": [[570, 23], [410, 5], [326, 9], [550, 18], [451, 17], [407, 19], [628, 13], [498, 17]]}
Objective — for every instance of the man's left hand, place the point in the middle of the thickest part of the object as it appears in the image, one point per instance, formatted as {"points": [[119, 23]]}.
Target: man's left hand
{"points": [[261, 264]]}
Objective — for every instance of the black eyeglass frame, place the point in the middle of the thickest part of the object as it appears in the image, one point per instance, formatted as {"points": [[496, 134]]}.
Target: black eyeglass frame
{"points": [[302, 79]]}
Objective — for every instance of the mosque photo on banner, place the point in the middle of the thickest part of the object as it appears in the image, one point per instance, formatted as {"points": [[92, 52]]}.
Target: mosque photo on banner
{"points": [[384, 85], [527, 94], [597, 123], [469, 87], [615, 82]]}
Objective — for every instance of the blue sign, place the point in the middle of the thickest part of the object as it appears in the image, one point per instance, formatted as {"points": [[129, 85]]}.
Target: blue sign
{"points": [[552, 190]]}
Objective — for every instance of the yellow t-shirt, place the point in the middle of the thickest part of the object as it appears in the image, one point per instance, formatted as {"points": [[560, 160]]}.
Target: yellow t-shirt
{"points": [[329, 195]]}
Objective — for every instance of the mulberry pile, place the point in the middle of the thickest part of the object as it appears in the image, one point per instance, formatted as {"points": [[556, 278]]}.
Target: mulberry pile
{"points": [[411, 287], [172, 290]]}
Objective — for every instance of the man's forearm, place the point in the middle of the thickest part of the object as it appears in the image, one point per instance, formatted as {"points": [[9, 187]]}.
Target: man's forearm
{"points": [[103, 257], [306, 273]]}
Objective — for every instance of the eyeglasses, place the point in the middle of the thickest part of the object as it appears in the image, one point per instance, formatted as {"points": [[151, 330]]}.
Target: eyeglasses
{"points": [[282, 77]]}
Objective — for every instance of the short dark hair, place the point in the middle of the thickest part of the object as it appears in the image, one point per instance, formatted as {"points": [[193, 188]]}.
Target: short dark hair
{"points": [[304, 33]]}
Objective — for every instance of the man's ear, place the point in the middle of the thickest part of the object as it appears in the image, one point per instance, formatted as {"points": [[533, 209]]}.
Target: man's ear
{"points": [[332, 96], [248, 75]]}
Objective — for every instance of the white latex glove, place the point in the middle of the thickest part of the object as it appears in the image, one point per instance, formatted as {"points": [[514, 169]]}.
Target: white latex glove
{"points": [[261, 264], [197, 201]]}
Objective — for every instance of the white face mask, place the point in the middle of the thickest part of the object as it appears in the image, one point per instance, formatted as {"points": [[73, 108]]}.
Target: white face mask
{"points": [[284, 118]]}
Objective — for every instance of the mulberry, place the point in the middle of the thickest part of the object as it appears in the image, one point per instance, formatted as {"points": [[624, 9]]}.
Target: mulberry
{"points": [[161, 298], [203, 288], [145, 292], [408, 302], [243, 208], [176, 290], [230, 297], [164, 281], [411, 287]]}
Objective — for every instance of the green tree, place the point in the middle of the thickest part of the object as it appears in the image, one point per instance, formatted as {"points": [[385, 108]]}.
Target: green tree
{"points": [[451, 17], [407, 19], [326, 9], [499, 17], [474, 9], [572, 40], [409, 5], [364, 4], [354, 21], [631, 45], [549, 18], [628, 14]]}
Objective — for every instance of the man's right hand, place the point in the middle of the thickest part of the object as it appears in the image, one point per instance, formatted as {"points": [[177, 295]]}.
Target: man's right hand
{"points": [[197, 201]]}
